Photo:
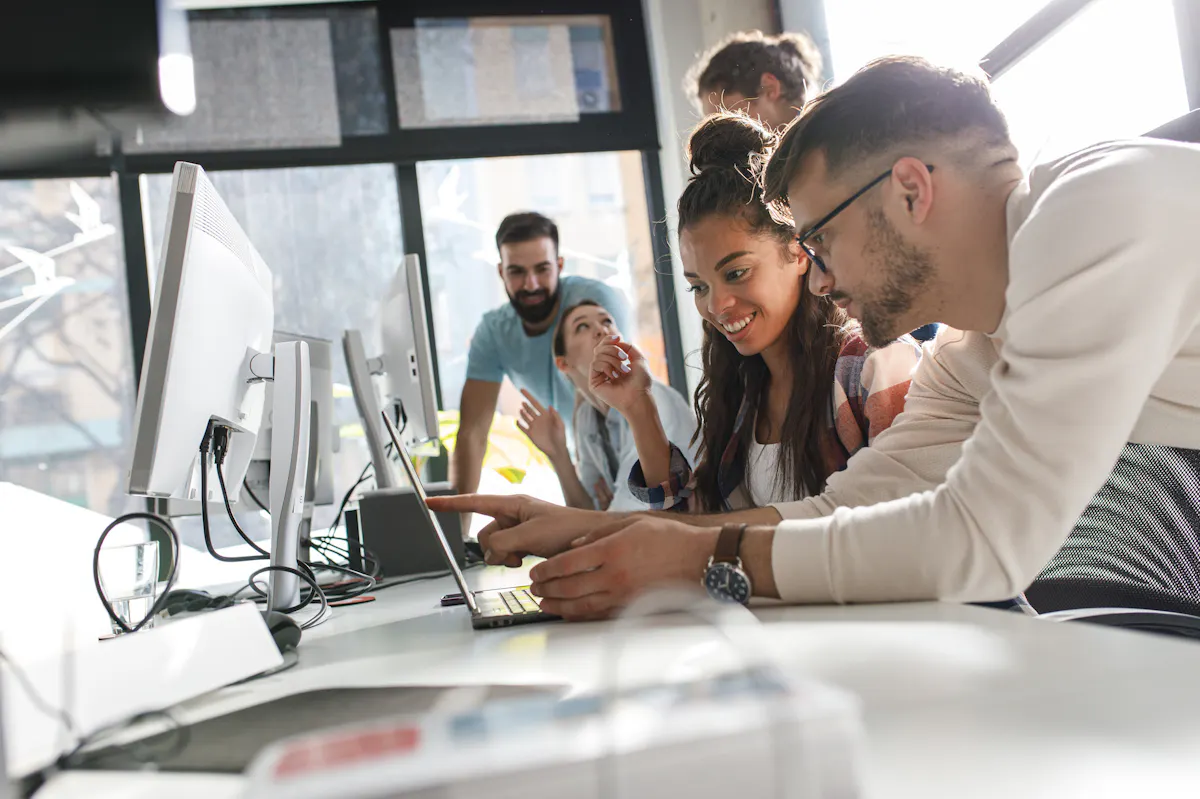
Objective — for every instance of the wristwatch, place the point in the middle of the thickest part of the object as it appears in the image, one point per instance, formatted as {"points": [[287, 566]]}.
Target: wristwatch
{"points": [[725, 580]]}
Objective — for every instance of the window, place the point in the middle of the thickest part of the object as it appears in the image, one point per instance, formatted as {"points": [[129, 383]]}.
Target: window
{"points": [[66, 375], [501, 70], [274, 79], [944, 31], [1112, 72], [331, 236]]}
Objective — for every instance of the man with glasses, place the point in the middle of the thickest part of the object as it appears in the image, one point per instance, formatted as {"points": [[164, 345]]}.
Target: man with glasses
{"points": [[1081, 279]]}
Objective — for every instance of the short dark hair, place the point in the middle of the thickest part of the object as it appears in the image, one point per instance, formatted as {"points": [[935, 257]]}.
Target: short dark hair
{"points": [[890, 104], [560, 337], [526, 226], [737, 64]]}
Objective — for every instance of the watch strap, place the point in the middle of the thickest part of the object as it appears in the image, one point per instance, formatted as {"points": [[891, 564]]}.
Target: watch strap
{"points": [[729, 543]]}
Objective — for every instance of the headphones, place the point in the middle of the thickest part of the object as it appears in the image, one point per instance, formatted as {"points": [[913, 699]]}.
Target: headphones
{"points": [[187, 600]]}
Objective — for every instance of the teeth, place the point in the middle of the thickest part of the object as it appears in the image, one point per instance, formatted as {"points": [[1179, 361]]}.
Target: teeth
{"points": [[733, 327]]}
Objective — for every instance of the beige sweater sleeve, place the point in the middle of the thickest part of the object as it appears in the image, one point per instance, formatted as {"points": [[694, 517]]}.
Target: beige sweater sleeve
{"points": [[1103, 292], [914, 454]]}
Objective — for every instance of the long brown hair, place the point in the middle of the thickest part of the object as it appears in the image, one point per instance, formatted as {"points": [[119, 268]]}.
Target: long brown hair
{"points": [[726, 153]]}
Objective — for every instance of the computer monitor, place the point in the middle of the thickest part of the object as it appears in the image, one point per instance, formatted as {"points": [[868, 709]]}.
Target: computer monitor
{"points": [[407, 364], [208, 354], [407, 356]]}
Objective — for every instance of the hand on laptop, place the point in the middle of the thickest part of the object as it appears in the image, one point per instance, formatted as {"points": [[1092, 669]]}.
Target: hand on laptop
{"points": [[522, 525], [619, 560]]}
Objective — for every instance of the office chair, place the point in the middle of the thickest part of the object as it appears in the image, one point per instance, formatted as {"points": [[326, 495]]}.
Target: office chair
{"points": [[1133, 559]]}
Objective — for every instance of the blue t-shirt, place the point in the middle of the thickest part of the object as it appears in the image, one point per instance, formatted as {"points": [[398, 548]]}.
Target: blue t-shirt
{"points": [[500, 346]]}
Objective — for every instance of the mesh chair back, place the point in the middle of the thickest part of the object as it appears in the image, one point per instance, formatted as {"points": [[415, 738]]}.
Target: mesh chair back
{"points": [[1138, 543]]}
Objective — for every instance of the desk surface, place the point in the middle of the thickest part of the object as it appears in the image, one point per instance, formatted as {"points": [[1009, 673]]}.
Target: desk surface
{"points": [[957, 701]]}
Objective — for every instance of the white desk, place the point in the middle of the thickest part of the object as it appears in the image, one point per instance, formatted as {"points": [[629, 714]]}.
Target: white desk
{"points": [[958, 701]]}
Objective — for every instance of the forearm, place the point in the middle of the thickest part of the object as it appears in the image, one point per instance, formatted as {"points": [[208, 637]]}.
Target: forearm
{"points": [[653, 447], [468, 461], [574, 492]]}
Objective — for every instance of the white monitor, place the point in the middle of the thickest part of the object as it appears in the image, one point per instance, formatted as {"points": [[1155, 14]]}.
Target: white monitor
{"points": [[208, 353], [410, 393]]}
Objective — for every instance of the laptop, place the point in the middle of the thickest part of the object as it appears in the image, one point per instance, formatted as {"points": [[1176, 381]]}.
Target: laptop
{"points": [[496, 608]]}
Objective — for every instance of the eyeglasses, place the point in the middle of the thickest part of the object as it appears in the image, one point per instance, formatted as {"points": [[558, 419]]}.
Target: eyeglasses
{"points": [[803, 238]]}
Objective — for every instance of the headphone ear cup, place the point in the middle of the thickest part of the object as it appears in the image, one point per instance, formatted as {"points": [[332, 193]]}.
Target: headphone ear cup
{"points": [[197, 603]]}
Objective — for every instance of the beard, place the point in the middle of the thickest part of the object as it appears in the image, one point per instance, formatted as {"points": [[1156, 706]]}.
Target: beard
{"points": [[538, 312], [906, 272]]}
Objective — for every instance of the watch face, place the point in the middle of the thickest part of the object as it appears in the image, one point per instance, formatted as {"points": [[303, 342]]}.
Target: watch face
{"points": [[725, 582]]}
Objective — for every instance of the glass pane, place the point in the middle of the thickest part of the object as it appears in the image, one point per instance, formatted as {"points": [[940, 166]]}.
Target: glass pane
{"points": [[331, 236], [1072, 91], [603, 235], [269, 80], [503, 70], [66, 375], [948, 32]]}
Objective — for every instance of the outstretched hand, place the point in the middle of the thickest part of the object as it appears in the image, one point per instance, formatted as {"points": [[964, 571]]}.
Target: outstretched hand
{"points": [[544, 427], [522, 525]]}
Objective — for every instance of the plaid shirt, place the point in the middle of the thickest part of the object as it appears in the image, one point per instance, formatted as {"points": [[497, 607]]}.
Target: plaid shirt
{"points": [[869, 387]]}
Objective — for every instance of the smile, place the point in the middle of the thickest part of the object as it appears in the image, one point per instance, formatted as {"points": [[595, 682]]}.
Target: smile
{"points": [[739, 324]]}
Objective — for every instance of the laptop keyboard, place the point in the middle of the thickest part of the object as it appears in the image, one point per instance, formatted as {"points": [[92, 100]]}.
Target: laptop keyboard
{"points": [[519, 601]]}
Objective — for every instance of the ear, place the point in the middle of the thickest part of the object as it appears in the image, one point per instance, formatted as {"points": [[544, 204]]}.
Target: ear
{"points": [[769, 87], [500, 270], [560, 264], [798, 255], [914, 181], [561, 363]]}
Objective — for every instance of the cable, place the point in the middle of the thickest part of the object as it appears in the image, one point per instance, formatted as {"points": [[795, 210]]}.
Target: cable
{"points": [[58, 714], [232, 518], [304, 573], [162, 598], [254, 497], [340, 547], [208, 544], [337, 519]]}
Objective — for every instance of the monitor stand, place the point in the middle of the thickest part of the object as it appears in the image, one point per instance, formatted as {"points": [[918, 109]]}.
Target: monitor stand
{"points": [[291, 423]]}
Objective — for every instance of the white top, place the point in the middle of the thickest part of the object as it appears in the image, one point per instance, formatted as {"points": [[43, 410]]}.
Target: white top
{"points": [[1099, 346], [591, 461], [762, 473]]}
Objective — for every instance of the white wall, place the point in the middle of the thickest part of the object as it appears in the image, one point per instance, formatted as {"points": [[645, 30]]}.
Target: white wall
{"points": [[678, 31]]}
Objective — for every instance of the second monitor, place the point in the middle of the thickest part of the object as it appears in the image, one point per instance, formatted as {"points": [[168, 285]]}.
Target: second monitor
{"points": [[406, 364]]}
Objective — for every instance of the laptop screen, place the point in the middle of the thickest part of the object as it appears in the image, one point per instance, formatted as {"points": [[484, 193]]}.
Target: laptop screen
{"points": [[413, 478]]}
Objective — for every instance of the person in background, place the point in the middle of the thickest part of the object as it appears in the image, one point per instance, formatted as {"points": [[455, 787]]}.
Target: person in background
{"points": [[604, 445], [790, 389], [769, 78], [515, 340]]}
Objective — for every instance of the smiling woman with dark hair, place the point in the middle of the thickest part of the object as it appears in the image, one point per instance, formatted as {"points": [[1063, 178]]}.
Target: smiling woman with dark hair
{"points": [[790, 388]]}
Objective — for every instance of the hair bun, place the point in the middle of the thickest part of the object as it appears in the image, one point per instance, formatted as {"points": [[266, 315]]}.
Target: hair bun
{"points": [[728, 140]]}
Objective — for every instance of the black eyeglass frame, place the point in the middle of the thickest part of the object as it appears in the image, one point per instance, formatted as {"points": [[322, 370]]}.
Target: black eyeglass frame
{"points": [[803, 238]]}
